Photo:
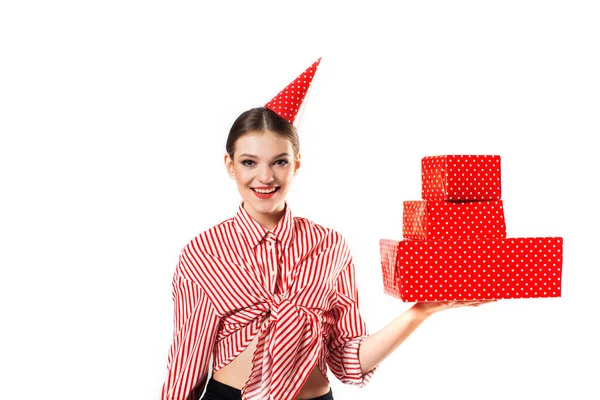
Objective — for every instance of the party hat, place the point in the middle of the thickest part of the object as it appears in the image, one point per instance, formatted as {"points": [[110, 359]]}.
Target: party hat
{"points": [[288, 103]]}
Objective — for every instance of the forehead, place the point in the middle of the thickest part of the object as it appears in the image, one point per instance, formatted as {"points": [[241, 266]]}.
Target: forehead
{"points": [[263, 144]]}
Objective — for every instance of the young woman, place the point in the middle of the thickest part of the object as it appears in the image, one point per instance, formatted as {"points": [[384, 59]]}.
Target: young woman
{"points": [[271, 296]]}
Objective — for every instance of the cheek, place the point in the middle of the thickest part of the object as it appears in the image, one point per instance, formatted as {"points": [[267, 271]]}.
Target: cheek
{"points": [[287, 173], [242, 177]]}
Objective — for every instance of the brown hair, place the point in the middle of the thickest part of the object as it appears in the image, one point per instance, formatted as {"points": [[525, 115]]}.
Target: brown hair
{"points": [[261, 119]]}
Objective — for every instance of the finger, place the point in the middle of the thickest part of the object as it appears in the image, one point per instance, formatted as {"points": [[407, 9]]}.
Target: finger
{"points": [[472, 303], [467, 302]]}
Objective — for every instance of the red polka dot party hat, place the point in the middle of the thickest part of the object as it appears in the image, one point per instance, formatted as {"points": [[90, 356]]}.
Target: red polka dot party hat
{"points": [[288, 103]]}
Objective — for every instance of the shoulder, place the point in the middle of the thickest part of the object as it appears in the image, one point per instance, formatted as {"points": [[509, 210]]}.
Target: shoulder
{"points": [[323, 236], [203, 247], [309, 226], [211, 237]]}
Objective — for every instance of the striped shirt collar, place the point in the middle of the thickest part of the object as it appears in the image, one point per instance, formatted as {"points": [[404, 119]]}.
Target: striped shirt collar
{"points": [[254, 233]]}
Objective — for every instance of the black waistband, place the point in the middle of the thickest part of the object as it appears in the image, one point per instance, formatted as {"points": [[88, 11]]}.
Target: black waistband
{"points": [[223, 391]]}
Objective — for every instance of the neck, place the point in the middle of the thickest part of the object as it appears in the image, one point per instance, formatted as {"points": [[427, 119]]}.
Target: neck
{"points": [[269, 220]]}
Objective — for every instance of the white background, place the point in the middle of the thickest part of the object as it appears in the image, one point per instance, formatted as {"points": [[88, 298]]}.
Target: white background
{"points": [[113, 120]]}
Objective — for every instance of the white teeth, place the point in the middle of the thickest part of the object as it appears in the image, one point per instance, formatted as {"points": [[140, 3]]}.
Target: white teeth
{"points": [[265, 191]]}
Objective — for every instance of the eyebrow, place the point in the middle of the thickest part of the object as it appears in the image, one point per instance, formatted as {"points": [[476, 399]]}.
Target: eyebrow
{"points": [[253, 156]]}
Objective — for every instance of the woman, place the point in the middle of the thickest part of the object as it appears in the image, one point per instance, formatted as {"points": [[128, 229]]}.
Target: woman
{"points": [[271, 296]]}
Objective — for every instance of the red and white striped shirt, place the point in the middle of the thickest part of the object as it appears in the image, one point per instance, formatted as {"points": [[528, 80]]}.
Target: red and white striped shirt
{"points": [[294, 286]]}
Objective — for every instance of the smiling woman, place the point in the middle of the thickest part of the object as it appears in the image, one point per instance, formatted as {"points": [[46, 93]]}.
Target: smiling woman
{"points": [[270, 297]]}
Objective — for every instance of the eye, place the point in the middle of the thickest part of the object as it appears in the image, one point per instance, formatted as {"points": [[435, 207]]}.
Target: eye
{"points": [[247, 163], [282, 162]]}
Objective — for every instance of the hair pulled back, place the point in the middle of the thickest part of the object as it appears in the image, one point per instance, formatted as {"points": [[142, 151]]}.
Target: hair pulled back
{"points": [[261, 119]]}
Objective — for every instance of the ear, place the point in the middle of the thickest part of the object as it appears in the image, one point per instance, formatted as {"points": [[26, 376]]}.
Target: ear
{"points": [[297, 163], [229, 166]]}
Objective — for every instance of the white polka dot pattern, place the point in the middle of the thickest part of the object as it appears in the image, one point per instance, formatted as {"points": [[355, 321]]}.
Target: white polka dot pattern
{"points": [[473, 269], [287, 103], [431, 220], [461, 177]]}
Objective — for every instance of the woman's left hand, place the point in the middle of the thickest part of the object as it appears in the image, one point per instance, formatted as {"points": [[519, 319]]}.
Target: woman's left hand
{"points": [[431, 307]]}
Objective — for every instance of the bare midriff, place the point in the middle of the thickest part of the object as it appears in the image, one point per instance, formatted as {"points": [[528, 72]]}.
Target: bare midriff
{"points": [[237, 372]]}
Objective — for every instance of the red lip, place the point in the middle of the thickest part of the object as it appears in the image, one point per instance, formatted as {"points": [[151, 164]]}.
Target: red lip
{"points": [[265, 195]]}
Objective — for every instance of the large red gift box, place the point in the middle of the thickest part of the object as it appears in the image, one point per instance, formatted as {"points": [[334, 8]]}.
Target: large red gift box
{"points": [[431, 220], [472, 269], [460, 177]]}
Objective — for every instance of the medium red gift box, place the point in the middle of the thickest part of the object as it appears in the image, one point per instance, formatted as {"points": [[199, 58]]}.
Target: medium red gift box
{"points": [[431, 220], [460, 177], [472, 269]]}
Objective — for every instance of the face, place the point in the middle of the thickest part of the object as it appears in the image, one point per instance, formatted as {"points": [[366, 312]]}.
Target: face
{"points": [[263, 167]]}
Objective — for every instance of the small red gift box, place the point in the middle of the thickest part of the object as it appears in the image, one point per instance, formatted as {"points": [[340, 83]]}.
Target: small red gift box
{"points": [[432, 220], [460, 177], [472, 269]]}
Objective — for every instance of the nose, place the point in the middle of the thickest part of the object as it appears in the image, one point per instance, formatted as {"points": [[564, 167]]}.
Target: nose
{"points": [[265, 174]]}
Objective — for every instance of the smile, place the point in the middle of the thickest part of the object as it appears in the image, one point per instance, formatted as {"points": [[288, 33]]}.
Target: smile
{"points": [[265, 193]]}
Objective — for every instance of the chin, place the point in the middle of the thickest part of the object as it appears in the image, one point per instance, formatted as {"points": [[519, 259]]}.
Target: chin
{"points": [[268, 206]]}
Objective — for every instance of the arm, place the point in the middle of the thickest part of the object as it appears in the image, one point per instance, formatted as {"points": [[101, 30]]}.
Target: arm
{"points": [[355, 354], [194, 333], [381, 344], [376, 347]]}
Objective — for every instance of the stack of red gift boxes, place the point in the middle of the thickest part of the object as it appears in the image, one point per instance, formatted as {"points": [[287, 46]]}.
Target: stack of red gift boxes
{"points": [[455, 245]]}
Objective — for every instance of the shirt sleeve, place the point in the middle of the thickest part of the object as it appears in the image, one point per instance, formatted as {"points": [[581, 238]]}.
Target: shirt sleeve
{"points": [[348, 332], [194, 333]]}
